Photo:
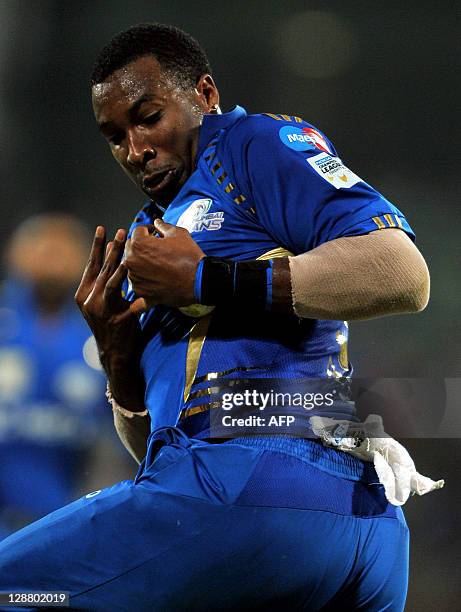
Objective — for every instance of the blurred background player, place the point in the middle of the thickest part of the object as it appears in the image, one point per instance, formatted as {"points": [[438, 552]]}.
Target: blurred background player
{"points": [[52, 404]]}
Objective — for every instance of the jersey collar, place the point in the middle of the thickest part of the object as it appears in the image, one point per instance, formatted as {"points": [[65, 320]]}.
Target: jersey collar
{"points": [[212, 124]]}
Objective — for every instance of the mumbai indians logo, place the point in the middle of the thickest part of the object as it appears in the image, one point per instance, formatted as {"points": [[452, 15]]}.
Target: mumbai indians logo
{"points": [[197, 218]]}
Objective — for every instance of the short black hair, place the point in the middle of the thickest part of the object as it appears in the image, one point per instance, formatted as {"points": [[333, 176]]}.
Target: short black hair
{"points": [[176, 51]]}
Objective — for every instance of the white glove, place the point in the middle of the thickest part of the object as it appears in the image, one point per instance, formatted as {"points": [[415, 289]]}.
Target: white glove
{"points": [[367, 441]]}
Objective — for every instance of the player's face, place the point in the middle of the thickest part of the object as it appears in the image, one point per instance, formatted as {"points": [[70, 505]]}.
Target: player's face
{"points": [[152, 124]]}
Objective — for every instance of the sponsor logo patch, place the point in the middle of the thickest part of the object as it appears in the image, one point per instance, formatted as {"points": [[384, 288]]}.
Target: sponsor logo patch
{"points": [[302, 139], [318, 139], [197, 218], [296, 138], [333, 171]]}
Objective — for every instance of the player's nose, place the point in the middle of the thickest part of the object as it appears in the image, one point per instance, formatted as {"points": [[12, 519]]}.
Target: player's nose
{"points": [[140, 151]]}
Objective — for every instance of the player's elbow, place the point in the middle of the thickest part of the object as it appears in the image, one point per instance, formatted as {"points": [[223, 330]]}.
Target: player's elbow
{"points": [[419, 297], [413, 282]]}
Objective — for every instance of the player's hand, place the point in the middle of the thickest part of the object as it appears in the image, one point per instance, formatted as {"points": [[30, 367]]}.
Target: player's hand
{"points": [[162, 268], [113, 320]]}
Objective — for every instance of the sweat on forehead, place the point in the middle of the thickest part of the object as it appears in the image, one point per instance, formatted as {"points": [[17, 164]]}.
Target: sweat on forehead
{"points": [[139, 76]]}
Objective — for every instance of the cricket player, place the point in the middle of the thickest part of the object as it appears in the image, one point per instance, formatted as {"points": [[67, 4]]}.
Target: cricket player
{"points": [[255, 246]]}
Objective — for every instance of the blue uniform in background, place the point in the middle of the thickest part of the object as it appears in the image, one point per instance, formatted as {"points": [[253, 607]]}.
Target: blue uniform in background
{"points": [[52, 405], [266, 522]]}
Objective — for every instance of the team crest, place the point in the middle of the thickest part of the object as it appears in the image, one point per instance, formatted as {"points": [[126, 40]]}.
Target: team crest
{"points": [[197, 217]]}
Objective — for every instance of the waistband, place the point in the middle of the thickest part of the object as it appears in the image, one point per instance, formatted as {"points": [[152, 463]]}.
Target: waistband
{"points": [[338, 463], [312, 452]]}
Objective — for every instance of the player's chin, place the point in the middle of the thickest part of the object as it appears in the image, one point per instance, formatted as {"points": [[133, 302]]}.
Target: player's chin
{"points": [[165, 194]]}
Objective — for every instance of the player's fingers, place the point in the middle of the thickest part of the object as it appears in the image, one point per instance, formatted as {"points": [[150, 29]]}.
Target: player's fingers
{"points": [[113, 257], [132, 248], [138, 241], [139, 306], [109, 246], [142, 231], [165, 229], [97, 247], [141, 286], [93, 266], [113, 288], [96, 258], [135, 283]]}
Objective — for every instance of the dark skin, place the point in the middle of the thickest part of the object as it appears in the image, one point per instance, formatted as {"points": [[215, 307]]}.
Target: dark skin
{"points": [[151, 124], [113, 321]]}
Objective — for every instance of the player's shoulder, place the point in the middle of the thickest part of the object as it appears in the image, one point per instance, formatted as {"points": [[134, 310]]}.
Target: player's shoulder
{"points": [[270, 128], [254, 125]]}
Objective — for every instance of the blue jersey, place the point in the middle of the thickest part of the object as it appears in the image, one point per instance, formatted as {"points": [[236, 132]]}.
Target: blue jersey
{"points": [[264, 186], [310, 525], [51, 402]]}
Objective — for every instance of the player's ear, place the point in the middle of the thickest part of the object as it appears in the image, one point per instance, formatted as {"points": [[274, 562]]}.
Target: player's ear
{"points": [[208, 93]]}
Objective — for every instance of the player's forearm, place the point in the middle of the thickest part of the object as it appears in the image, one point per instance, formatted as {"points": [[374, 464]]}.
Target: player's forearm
{"points": [[126, 382], [133, 428], [359, 277]]}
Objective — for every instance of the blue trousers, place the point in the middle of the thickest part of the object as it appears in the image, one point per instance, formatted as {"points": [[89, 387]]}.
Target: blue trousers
{"points": [[266, 523]]}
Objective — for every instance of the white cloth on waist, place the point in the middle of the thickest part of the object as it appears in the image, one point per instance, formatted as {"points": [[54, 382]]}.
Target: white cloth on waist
{"points": [[368, 441]]}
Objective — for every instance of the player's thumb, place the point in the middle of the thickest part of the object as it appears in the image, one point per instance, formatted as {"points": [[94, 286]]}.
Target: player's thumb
{"points": [[163, 228]]}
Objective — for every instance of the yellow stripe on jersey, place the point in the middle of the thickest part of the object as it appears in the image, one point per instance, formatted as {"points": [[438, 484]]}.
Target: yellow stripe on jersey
{"points": [[276, 117], [343, 357], [197, 409], [277, 252], [230, 187], [221, 178], [194, 349], [390, 220], [379, 222], [286, 117]]}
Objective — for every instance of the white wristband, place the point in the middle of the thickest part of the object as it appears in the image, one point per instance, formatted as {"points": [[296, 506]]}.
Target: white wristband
{"points": [[129, 414]]}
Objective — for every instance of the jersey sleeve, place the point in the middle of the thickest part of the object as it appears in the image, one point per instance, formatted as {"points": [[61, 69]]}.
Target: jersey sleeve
{"points": [[302, 192]]}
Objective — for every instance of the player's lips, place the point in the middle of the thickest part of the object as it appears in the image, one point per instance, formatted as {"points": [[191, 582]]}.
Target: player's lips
{"points": [[157, 181]]}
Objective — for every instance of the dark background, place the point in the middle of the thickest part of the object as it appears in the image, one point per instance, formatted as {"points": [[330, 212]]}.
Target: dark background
{"points": [[381, 79]]}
